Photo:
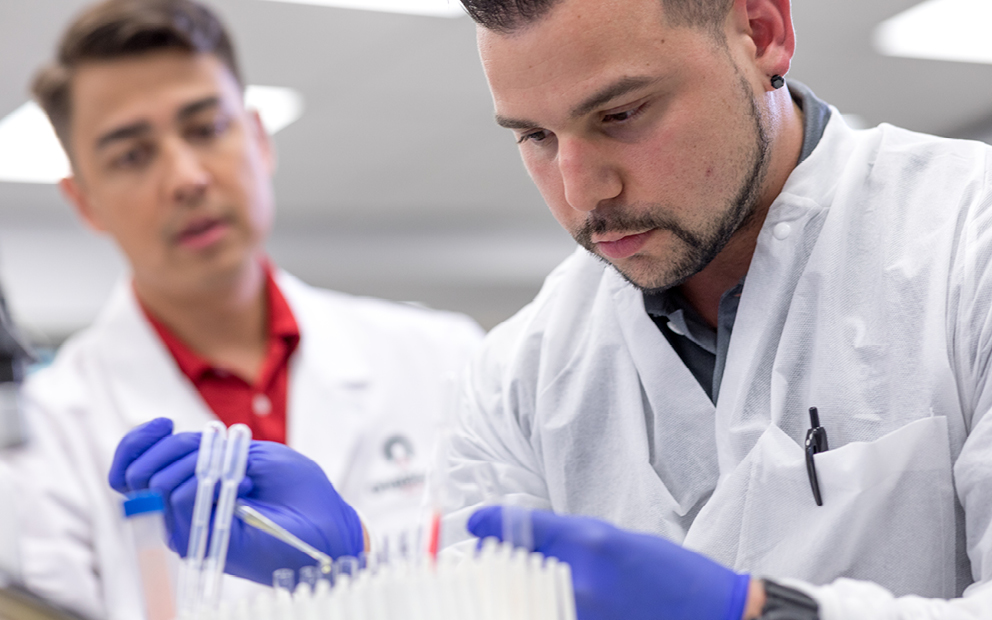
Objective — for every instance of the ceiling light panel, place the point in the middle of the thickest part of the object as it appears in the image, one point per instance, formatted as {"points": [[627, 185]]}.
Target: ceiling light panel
{"points": [[30, 152], [953, 30], [433, 8], [279, 107]]}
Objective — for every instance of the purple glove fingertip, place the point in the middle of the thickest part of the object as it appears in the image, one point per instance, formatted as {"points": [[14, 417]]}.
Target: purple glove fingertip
{"points": [[132, 446], [486, 522]]}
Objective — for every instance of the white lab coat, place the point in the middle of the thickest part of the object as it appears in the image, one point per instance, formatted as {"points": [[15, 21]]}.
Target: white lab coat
{"points": [[869, 297], [366, 372], [10, 564]]}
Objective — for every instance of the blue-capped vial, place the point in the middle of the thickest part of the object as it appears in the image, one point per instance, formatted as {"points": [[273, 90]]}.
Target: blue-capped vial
{"points": [[143, 512]]}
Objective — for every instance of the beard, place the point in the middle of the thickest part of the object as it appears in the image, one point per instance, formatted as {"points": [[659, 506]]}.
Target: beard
{"points": [[693, 250]]}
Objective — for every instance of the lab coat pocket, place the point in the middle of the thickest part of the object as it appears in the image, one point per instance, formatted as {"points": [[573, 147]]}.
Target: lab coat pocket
{"points": [[887, 514]]}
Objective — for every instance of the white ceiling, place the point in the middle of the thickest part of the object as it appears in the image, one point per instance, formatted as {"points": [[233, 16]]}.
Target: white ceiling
{"points": [[396, 171]]}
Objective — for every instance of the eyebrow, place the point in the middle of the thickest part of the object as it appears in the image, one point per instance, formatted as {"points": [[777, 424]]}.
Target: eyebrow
{"points": [[143, 127], [610, 92], [514, 123], [606, 94], [194, 108], [123, 133]]}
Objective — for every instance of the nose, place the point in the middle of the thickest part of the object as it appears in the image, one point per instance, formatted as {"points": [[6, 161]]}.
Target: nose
{"points": [[188, 179], [587, 175]]}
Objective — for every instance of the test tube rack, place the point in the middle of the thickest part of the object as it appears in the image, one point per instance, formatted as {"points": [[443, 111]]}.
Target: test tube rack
{"points": [[499, 582]]}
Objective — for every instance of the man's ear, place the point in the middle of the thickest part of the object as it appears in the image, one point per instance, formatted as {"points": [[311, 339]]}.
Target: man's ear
{"points": [[768, 25], [264, 140], [76, 195]]}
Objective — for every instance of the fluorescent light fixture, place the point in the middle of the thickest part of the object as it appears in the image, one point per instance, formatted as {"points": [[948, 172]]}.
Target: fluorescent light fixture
{"points": [[30, 152], [954, 30], [279, 107], [433, 8], [855, 121]]}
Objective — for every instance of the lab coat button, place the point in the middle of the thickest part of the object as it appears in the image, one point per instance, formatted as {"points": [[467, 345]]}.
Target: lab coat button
{"points": [[261, 405], [782, 230]]}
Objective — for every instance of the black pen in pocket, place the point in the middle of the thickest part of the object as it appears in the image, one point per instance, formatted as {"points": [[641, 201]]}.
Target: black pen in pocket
{"points": [[816, 442]]}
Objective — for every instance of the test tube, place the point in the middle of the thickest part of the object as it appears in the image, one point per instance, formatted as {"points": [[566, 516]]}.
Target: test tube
{"points": [[209, 461], [346, 566], [284, 579], [566, 591], [143, 511], [382, 555], [233, 472], [309, 576]]}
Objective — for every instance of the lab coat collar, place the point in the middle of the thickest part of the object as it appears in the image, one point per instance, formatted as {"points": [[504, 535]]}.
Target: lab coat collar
{"points": [[331, 389], [807, 194], [331, 337], [651, 351], [816, 178], [144, 380], [786, 241]]}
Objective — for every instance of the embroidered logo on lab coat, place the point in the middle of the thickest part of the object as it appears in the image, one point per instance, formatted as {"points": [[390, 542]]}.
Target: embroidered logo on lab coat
{"points": [[398, 451]]}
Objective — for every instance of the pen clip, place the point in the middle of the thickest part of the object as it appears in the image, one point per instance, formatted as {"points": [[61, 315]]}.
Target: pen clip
{"points": [[816, 442]]}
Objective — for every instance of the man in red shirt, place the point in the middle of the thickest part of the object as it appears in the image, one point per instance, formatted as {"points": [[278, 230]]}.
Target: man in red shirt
{"points": [[146, 98]]}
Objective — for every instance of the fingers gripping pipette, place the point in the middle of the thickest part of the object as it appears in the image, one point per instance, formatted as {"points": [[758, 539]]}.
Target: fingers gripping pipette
{"points": [[259, 521], [233, 472], [208, 470]]}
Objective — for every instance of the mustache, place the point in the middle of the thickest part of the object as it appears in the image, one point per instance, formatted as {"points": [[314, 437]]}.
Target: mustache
{"points": [[619, 219]]}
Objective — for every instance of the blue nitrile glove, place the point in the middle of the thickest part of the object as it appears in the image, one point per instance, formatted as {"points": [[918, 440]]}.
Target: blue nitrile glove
{"points": [[280, 483], [150, 456], [620, 574]]}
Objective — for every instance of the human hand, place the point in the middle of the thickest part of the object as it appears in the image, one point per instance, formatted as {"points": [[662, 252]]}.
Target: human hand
{"points": [[280, 483], [620, 574]]}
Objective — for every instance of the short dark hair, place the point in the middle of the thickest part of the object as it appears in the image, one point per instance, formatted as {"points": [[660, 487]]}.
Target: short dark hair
{"points": [[126, 28], [505, 16]]}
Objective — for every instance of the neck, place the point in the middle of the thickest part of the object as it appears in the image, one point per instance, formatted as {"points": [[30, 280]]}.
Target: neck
{"points": [[704, 289], [225, 323]]}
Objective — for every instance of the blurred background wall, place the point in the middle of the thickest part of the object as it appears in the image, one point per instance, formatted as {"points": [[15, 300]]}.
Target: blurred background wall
{"points": [[393, 180]]}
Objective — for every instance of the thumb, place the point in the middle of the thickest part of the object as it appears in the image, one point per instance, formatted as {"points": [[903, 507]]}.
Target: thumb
{"points": [[487, 522], [529, 527]]}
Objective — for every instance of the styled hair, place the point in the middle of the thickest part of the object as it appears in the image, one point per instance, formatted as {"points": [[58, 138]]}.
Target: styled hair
{"points": [[506, 16], [116, 29]]}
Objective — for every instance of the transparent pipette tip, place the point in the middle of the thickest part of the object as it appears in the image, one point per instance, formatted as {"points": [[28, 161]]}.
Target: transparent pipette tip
{"points": [[235, 464], [236, 453], [211, 455], [310, 575], [208, 465], [518, 528], [346, 566], [284, 579]]}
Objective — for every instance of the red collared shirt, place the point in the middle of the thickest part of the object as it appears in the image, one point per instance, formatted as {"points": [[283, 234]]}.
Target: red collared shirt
{"points": [[262, 404]]}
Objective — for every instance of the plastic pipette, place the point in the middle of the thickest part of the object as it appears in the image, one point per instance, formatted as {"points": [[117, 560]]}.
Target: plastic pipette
{"points": [[233, 472], [449, 412], [518, 529], [259, 521], [208, 469]]}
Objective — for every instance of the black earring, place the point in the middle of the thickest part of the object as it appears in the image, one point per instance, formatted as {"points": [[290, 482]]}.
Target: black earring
{"points": [[778, 82]]}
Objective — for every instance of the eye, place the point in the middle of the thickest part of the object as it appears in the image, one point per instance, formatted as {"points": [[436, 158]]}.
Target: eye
{"points": [[534, 136], [624, 115], [206, 131], [135, 157]]}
